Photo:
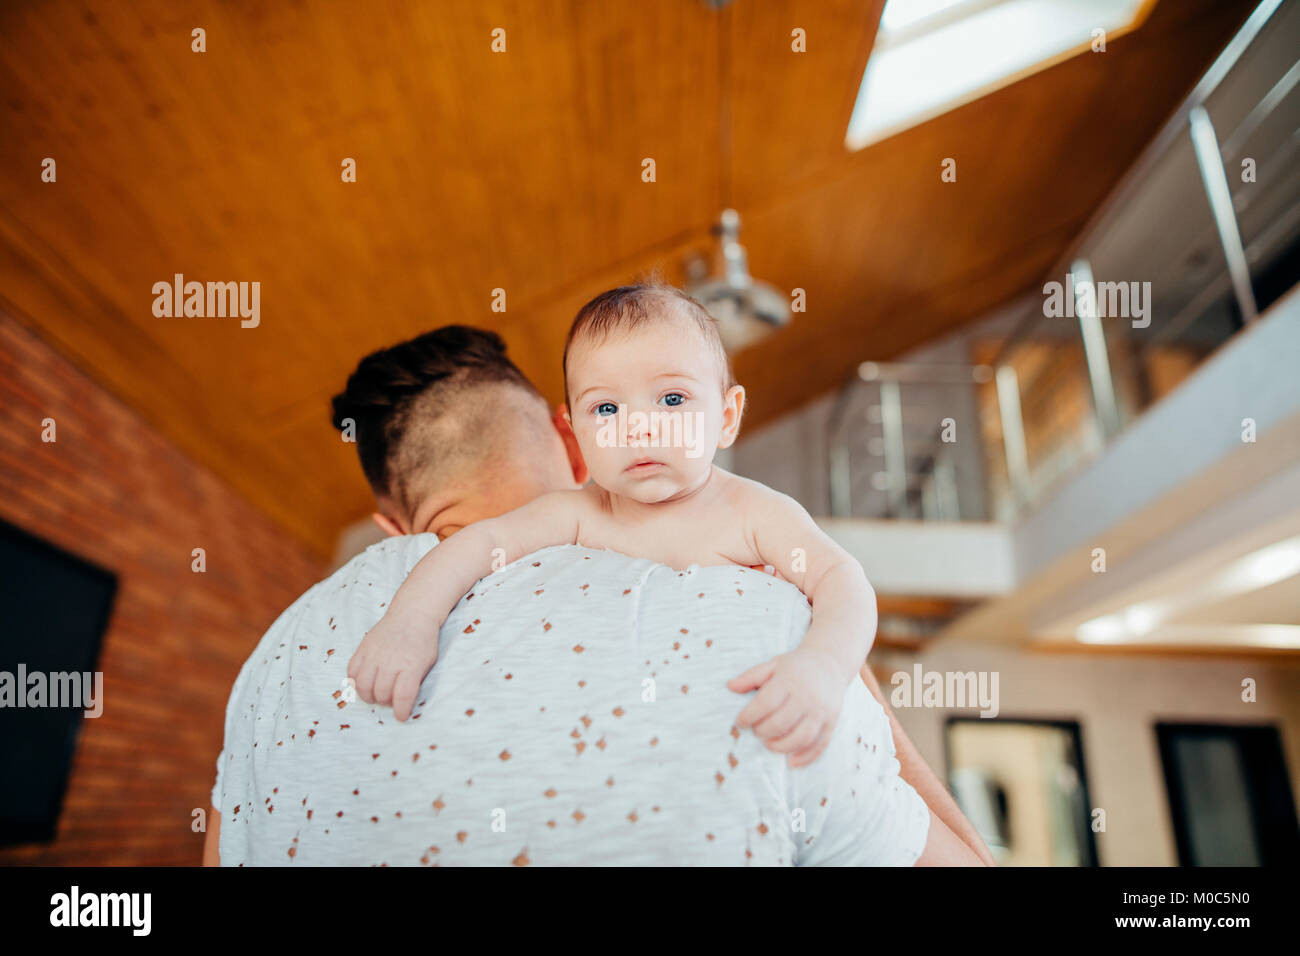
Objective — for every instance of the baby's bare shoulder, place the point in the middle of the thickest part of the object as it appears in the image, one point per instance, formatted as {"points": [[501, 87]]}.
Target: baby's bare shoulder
{"points": [[568, 500], [748, 495], [588, 505]]}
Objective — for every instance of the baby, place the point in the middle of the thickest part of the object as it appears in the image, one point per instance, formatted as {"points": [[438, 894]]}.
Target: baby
{"points": [[650, 397]]}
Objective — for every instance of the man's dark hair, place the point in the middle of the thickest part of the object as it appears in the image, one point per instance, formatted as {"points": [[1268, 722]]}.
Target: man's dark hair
{"points": [[380, 394]]}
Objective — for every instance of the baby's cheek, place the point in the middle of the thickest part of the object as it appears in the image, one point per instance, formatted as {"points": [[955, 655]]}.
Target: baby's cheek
{"points": [[596, 451], [604, 465], [590, 447]]}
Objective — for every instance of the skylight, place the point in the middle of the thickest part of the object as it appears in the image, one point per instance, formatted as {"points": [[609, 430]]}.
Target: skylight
{"points": [[932, 56]]}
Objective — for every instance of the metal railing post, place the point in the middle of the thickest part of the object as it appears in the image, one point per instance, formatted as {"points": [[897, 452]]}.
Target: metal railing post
{"points": [[945, 488], [1206, 146], [1094, 351], [841, 479], [891, 425], [1013, 432]]}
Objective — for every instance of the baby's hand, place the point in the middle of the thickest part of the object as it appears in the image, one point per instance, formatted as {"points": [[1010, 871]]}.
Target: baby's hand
{"points": [[798, 705], [392, 661]]}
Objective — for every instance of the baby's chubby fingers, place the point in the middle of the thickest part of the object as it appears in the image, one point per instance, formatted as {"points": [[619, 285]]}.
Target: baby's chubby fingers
{"points": [[755, 677], [798, 739], [384, 682], [363, 674], [405, 689], [357, 664], [780, 721], [810, 753], [767, 700]]}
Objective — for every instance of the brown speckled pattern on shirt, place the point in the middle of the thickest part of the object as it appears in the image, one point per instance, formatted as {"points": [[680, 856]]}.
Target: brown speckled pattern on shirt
{"points": [[534, 740]]}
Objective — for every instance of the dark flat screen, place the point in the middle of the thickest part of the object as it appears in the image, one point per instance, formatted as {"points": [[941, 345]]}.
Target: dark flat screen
{"points": [[54, 609]]}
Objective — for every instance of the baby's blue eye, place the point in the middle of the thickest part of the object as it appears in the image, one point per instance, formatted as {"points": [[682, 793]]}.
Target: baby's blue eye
{"points": [[673, 398], [606, 408]]}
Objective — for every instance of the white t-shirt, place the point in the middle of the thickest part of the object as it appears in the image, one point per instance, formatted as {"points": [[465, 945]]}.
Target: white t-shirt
{"points": [[577, 714]]}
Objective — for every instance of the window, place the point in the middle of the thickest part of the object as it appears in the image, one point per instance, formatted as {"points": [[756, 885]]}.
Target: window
{"points": [[1229, 795], [1021, 783], [932, 56]]}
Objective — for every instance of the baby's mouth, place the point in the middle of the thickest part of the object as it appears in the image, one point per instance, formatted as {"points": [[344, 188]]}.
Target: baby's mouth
{"points": [[643, 465]]}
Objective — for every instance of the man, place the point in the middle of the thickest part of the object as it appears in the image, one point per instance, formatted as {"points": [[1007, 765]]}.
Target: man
{"points": [[578, 713]]}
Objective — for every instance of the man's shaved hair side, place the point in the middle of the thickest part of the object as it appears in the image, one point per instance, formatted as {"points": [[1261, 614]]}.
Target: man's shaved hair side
{"points": [[424, 410]]}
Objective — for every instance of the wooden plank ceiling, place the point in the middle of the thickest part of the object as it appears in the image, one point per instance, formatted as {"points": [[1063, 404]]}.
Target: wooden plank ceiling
{"points": [[521, 171]]}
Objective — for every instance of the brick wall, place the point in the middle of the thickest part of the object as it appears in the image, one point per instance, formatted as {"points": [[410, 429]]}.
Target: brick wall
{"points": [[113, 491]]}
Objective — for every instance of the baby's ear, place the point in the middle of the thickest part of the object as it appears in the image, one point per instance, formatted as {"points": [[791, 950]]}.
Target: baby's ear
{"points": [[387, 524], [564, 427], [733, 409]]}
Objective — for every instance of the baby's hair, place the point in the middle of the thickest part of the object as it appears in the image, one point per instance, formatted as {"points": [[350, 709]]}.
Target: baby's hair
{"points": [[632, 306]]}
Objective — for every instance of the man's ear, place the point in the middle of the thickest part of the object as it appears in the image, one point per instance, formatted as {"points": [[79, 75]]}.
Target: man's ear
{"points": [[564, 426], [733, 407], [387, 525]]}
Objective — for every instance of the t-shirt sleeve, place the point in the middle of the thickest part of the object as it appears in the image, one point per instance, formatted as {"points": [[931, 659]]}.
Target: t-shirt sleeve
{"points": [[236, 696], [860, 811], [286, 624], [218, 786]]}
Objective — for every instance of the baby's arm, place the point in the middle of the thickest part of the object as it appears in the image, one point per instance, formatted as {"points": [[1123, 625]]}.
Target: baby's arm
{"points": [[398, 652], [802, 691]]}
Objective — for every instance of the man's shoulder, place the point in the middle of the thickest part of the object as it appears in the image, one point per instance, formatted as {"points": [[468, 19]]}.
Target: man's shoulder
{"points": [[362, 584], [385, 557], [385, 563]]}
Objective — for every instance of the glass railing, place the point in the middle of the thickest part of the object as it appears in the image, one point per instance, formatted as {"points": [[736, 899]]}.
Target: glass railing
{"points": [[899, 446], [1199, 238]]}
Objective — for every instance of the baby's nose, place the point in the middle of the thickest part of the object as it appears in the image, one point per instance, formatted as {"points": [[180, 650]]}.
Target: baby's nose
{"points": [[641, 426]]}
